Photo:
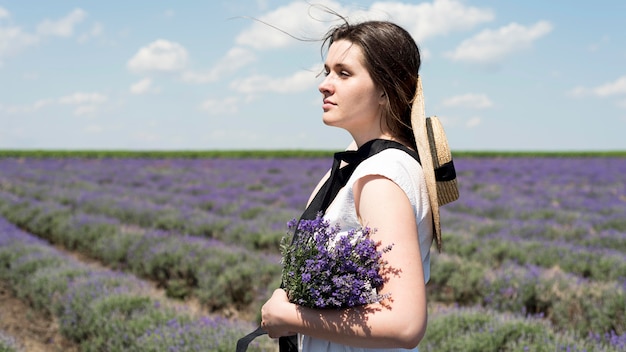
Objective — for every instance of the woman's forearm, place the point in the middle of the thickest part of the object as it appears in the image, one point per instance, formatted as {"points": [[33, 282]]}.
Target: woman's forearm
{"points": [[372, 326]]}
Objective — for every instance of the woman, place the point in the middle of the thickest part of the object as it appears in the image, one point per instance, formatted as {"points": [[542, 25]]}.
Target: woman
{"points": [[371, 77]]}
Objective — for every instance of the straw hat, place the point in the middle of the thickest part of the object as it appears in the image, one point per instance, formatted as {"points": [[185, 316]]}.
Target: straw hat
{"points": [[436, 159]]}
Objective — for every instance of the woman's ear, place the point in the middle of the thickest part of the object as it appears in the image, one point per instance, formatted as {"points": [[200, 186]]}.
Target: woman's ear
{"points": [[383, 97]]}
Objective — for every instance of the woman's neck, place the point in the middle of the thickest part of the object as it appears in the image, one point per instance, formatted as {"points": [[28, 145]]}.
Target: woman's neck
{"points": [[364, 139]]}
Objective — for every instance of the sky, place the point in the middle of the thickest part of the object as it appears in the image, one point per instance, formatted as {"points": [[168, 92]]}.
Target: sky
{"points": [[502, 75]]}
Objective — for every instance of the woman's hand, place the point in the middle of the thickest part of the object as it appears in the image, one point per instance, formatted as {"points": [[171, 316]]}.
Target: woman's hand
{"points": [[273, 313]]}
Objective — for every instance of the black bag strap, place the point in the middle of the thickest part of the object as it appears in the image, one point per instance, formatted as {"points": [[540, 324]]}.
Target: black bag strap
{"points": [[338, 178], [242, 343]]}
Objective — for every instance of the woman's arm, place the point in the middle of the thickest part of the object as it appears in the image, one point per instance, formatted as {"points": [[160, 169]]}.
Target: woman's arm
{"points": [[397, 322]]}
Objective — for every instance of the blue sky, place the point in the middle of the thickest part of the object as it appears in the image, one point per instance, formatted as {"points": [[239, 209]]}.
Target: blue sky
{"points": [[144, 75]]}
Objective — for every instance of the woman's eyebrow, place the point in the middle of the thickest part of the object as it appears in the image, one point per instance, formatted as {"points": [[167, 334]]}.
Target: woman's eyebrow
{"points": [[339, 65]]}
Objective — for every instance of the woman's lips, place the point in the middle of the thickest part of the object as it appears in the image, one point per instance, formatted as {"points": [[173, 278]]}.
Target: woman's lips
{"points": [[327, 104]]}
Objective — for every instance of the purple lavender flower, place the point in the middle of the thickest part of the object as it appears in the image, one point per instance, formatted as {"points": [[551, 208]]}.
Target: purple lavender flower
{"points": [[325, 267], [8, 343]]}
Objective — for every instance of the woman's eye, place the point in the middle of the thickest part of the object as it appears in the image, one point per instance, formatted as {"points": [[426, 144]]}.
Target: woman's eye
{"points": [[338, 73]]}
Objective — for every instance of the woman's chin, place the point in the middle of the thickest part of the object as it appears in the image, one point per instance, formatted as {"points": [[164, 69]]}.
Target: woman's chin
{"points": [[329, 121]]}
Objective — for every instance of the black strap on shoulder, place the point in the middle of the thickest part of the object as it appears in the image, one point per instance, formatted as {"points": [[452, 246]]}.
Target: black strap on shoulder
{"points": [[338, 178]]}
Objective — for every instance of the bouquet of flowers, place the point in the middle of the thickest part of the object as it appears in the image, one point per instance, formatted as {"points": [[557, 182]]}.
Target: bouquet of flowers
{"points": [[326, 268]]}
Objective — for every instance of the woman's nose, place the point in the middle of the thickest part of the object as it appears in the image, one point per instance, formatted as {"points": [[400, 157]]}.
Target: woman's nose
{"points": [[325, 86]]}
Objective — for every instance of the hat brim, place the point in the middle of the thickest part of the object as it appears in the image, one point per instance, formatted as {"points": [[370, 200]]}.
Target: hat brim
{"points": [[435, 158], [418, 122]]}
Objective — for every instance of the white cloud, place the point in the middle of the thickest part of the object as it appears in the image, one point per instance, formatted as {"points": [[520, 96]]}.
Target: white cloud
{"points": [[63, 27], [473, 122], [292, 18], [601, 43], [301, 20], [10, 109], [578, 91], [83, 98], [16, 109], [145, 136], [85, 110], [616, 87], [42, 103], [299, 81], [95, 31], [13, 39], [231, 62], [87, 103], [4, 13], [160, 55], [427, 20], [472, 101], [143, 86], [611, 88], [225, 106], [23, 109], [491, 46]]}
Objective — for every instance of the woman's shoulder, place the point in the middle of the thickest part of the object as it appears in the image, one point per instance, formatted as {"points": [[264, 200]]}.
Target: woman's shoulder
{"points": [[394, 164], [392, 158]]}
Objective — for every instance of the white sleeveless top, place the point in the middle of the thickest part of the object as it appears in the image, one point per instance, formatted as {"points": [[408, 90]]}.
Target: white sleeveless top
{"points": [[406, 172]]}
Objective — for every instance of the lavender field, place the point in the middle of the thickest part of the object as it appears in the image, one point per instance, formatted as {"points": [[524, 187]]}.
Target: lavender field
{"points": [[534, 251]]}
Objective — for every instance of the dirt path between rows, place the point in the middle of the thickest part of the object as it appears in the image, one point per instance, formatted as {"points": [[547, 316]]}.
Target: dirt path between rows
{"points": [[33, 331]]}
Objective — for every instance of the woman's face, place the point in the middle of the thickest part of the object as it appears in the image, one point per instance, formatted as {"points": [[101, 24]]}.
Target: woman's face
{"points": [[351, 100]]}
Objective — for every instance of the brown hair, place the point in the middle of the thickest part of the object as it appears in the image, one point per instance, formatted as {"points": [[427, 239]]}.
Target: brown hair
{"points": [[392, 58]]}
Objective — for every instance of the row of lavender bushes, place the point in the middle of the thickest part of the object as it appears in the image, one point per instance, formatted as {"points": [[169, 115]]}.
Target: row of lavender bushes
{"points": [[569, 302], [104, 310], [221, 276], [478, 329], [242, 201], [531, 236]]}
